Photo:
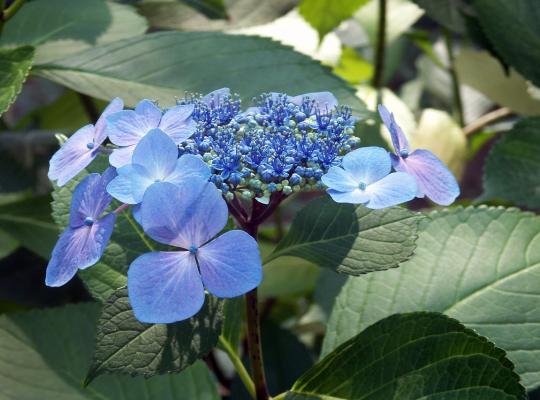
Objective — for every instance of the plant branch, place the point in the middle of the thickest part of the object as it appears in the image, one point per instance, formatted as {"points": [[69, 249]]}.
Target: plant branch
{"points": [[378, 75], [487, 119], [456, 93], [238, 366], [6, 14]]}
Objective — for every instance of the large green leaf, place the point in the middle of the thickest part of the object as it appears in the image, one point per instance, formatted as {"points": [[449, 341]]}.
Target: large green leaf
{"points": [[15, 65], [479, 265], [164, 65], [45, 355], [350, 239], [167, 14], [127, 346], [326, 15], [127, 242], [511, 170], [513, 29], [412, 357], [448, 13], [61, 27], [27, 220]]}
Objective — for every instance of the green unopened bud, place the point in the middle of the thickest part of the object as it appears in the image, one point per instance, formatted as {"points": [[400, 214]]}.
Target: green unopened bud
{"points": [[287, 190], [229, 196]]}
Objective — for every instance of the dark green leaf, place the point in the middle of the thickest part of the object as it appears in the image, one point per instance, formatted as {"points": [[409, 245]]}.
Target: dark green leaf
{"points": [[513, 29], [242, 13], [28, 221], [448, 13], [15, 65], [479, 265], [127, 242], [350, 239], [213, 9], [511, 170], [231, 333], [164, 65], [326, 15], [61, 27], [8, 244], [127, 346], [411, 357], [45, 355]]}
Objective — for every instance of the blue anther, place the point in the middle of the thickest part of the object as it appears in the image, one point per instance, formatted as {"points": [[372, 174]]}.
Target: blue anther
{"points": [[193, 249], [404, 153], [89, 221], [362, 186], [90, 145]]}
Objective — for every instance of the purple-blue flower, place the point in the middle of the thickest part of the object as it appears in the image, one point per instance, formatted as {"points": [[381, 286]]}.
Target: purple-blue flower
{"points": [[126, 128], [81, 148], [169, 286], [155, 160], [434, 179], [82, 244], [364, 178]]}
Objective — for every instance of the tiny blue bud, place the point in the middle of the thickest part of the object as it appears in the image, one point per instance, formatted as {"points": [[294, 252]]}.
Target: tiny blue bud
{"points": [[193, 249], [295, 179], [404, 153], [89, 221], [90, 145], [362, 186]]}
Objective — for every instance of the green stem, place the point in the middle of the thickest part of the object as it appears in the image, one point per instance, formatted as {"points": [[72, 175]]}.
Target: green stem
{"points": [[238, 366], [456, 93], [378, 75], [6, 14]]}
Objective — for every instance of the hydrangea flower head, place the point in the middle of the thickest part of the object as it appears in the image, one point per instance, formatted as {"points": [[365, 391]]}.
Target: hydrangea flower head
{"points": [[126, 128], [155, 159], [284, 144], [82, 244], [364, 178], [81, 148], [165, 287], [434, 179]]}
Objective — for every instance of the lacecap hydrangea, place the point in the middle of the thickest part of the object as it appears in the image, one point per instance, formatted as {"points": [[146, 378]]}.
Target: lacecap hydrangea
{"points": [[183, 170]]}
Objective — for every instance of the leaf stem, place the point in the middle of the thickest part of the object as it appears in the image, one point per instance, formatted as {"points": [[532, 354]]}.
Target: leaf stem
{"points": [[378, 76], [280, 396], [238, 366], [6, 14], [456, 93]]}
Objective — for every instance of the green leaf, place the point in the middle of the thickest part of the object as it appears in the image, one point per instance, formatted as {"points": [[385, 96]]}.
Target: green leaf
{"points": [[164, 65], [479, 265], [213, 9], [479, 70], [513, 29], [326, 15], [15, 65], [126, 346], [352, 67], [350, 239], [45, 355], [128, 241], [448, 13], [411, 357], [242, 13], [27, 220], [58, 28], [8, 244], [509, 172], [231, 333], [288, 276]]}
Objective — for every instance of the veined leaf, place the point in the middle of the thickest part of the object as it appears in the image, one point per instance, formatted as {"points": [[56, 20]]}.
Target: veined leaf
{"points": [[350, 239], [127, 346], [45, 355], [411, 357], [164, 65], [15, 65], [479, 265]]}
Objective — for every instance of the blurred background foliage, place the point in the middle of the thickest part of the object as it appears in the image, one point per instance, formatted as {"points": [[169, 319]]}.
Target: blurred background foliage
{"points": [[461, 76]]}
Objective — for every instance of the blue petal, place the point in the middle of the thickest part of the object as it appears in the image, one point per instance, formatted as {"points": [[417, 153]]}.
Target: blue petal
{"points": [[73, 156], [178, 124], [434, 179], [324, 101], [399, 140], [231, 264], [122, 156], [78, 248], [340, 180], [126, 128], [189, 167], [149, 111], [186, 215], [90, 197], [114, 106], [216, 96], [165, 287], [356, 196], [157, 153], [396, 188], [121, 187], [367, 164], [136, 212]]}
